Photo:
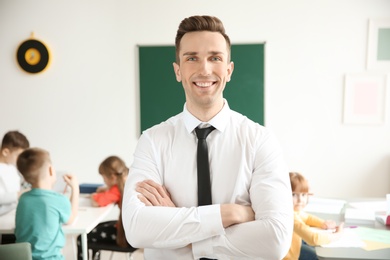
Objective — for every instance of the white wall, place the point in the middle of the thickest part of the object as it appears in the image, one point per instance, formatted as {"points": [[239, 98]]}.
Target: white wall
{"points": [[85, 106]]}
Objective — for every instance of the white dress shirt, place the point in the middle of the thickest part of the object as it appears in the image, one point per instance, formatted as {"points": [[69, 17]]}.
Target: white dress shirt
{"points": [[246, 168], [9, 187]]}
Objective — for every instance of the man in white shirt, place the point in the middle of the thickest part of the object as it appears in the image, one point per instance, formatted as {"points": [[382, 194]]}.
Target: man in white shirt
{"points": [[11, 181], [251, 215], [12, 145]]}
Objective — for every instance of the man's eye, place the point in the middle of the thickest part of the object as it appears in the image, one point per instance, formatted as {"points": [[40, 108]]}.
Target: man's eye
{"points": [[191, 59], [216, 59]]}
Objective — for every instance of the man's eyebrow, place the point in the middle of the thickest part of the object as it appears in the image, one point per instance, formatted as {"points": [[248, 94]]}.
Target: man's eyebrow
{"points": [[217, 52], [190, 53]]}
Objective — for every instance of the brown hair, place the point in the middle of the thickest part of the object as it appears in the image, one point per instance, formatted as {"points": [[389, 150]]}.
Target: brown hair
{"points": [[14, 140], [298, 182], [200, 23], [30, 163], [113, 165]]}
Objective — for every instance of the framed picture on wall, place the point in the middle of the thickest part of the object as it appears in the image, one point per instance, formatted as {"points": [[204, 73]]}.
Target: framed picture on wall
{"points": [[378, 48], [364, 99]]}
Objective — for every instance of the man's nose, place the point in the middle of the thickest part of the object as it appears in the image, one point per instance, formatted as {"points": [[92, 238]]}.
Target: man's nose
{"points": [[205, 68]]}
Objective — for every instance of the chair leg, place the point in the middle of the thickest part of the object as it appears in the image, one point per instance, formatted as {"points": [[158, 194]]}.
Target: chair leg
{"points": [[129, 256], [95, 255]]}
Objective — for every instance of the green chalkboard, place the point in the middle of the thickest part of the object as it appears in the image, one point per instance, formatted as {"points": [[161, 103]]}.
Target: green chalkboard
{"points": [[161, 96]]}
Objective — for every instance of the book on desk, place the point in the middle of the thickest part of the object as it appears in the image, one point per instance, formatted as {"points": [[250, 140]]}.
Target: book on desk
{"points": [[89, 187], [369, 211], [359, 216], [383, 219]]}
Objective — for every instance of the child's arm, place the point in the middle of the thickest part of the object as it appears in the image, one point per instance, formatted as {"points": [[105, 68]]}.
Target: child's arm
{"points": [[71, 180], [315, 238], [93, 201], [100, 189]]}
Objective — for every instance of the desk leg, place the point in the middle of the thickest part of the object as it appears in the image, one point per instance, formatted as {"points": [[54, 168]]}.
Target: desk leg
{"points": [[84, 245], [74, 246]]}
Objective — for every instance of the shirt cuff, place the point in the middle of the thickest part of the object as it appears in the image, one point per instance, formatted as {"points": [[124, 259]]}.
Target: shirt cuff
{"points": [[210, 217]]}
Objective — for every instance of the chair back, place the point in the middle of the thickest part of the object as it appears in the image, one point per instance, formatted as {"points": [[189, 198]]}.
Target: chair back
{"points": [[20, 251]]}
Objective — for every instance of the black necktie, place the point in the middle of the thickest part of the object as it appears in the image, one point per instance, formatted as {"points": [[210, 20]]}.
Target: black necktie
{"points": [[204, 184]]}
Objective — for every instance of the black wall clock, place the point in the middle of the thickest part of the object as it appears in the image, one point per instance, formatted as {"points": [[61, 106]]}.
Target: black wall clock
{"points": [[33, 56]]}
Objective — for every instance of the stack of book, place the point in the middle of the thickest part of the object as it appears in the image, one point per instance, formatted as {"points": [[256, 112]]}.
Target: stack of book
{"points": [[359, 216]]}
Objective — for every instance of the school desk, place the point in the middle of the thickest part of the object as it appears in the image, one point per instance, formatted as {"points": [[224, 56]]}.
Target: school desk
{"points": [[88, 218], [371, 231]]}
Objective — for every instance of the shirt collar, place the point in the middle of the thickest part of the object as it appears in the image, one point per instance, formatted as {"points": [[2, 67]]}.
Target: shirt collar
{"points": [[219, 121]]}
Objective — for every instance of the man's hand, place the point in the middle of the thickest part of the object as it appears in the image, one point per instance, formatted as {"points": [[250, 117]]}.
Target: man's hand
{"points": [[235, 214], [154, 194]]}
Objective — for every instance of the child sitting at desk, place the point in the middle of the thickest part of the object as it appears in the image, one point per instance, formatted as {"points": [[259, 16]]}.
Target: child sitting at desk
{"points": [[41, 212], [304, 221], [114, 172]]}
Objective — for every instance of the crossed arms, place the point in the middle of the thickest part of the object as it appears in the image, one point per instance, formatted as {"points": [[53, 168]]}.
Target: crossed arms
{"points": [[153, 194]]}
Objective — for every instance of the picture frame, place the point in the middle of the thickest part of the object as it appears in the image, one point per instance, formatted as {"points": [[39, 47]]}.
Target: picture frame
{"points": [[378, 51], [364, 99]]}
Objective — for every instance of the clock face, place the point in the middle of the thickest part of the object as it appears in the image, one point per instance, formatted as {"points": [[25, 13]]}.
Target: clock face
{"points": [[33, 56]]}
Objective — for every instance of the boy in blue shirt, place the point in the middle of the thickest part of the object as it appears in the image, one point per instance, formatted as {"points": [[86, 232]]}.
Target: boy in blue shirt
{"points": [[41, 212]]}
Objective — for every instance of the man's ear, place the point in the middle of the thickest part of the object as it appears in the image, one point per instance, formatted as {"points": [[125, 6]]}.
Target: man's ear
{"points": [[176, 69], [230, 70]]}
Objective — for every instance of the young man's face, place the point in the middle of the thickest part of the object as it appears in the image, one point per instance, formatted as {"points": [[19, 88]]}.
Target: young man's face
{"points": [[204, 69]]}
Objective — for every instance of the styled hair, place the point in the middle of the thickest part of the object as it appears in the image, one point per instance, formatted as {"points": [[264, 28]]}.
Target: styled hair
{"points": [[113, 165], [298, 182], [30, 163], [200, 23], [14, 140]]}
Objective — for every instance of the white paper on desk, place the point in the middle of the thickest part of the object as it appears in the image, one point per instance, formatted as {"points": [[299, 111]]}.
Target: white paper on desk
{"points": [[85, 201], [349, 238], [328, 206]]}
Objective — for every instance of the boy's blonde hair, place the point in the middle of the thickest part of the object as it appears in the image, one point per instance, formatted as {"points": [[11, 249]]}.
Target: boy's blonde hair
{"points": [[31, 162]]}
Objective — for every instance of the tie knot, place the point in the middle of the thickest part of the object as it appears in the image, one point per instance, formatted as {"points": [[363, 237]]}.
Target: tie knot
{"points": [[202, 133]]}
